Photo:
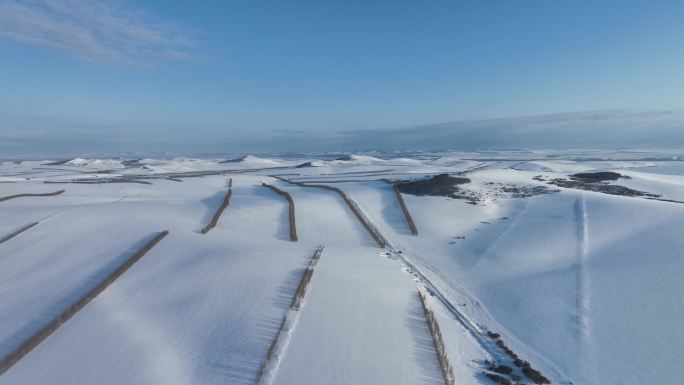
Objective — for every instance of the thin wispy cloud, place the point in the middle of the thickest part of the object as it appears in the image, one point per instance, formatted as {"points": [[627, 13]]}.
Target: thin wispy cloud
{"points": [[103, 31]]}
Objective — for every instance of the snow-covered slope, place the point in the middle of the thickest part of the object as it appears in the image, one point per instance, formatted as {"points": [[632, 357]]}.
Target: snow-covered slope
{"points": [[584, 285]]}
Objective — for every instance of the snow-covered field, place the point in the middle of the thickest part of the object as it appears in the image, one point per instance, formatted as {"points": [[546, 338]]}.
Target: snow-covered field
{"points": [[584, 285]]}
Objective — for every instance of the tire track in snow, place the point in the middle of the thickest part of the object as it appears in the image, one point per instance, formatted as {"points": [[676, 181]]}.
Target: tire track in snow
{"points": [[165, 363], [581, 284], [431, 282]]}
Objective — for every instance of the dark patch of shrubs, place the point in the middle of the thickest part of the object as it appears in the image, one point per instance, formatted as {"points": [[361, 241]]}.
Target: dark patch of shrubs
{"points": [[527, 369], [498, 379], [438, 185], [599, 176], [535, 375], [503, 369], [493, 335], [303, 165], [235, 160], [599, 186]]}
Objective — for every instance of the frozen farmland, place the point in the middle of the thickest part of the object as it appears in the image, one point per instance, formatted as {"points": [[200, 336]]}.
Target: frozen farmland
{"points": [[447, 268]]}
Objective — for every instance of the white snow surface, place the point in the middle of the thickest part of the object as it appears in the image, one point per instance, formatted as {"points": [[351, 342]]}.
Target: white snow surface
{"points": [[584, 285]]}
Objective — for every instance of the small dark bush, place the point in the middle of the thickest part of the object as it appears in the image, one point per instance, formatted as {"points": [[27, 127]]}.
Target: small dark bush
{"points": [[535, 376], [493, 335], [503, 369]]}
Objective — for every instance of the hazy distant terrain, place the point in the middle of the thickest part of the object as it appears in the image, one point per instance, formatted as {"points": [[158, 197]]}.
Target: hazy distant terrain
{"points": [[586, 130]]}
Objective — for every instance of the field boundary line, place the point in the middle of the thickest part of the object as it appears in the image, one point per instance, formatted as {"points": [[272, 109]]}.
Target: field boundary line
{"points": [[374, 233], [291, 206], [16, 232], [224, 205], [50, 194], [29, 344], [277, 348]]}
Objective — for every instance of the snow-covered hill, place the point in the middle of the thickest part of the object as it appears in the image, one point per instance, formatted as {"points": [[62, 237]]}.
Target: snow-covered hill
{"points": [[580, 279]]}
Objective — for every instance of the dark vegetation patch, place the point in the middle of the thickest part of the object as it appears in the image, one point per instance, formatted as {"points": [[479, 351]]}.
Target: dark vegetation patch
{"points": [[510, 190], [597, 182], [501, 369], [601, 187], [132, 163], [533, 374], [235, 160], [57, 163], [303, 165], [599, 176], [515, 191], [493, 335], [443, 185], [499, 379], [449, 186]]}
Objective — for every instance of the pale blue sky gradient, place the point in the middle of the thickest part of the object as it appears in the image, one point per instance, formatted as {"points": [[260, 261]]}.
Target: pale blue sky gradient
{"points": [[230, 70]]}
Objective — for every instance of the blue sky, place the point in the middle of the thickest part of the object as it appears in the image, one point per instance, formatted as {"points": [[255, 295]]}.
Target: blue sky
{"points": [[167, 73]]}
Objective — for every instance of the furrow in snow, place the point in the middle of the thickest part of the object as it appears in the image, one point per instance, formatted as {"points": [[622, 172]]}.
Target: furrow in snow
{"points": [[582, 292]]}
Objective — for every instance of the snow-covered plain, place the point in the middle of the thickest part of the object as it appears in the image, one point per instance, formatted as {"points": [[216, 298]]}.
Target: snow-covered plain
{"points": [[584, 285]]}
